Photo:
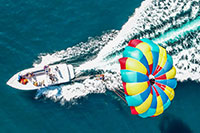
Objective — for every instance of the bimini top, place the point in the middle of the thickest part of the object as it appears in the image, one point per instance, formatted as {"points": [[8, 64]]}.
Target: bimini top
{"points": [[40, 77]]}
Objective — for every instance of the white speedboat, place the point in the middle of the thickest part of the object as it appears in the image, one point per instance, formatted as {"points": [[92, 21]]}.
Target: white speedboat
{"points": [[40, 77]]}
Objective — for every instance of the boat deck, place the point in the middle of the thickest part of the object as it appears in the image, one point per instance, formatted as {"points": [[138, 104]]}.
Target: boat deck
{"points": [[40, 78]]}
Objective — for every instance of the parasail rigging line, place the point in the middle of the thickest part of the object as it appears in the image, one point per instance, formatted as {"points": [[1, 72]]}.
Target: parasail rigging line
{"points": [[121, 91], [119, 96]]}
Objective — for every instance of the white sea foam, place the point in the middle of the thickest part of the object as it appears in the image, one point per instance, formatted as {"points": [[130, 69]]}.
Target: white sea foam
{"points": [[76, 90], [81, 50], [174, 24]]}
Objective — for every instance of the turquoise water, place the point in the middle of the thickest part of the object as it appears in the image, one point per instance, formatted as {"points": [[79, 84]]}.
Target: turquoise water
{"points": [[30, 28]]}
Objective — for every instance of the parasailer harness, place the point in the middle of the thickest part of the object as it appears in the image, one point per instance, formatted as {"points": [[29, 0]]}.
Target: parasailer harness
{"points": [[151, 79]]}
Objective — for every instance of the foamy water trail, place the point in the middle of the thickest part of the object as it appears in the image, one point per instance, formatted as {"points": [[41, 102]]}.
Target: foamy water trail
{"points": [[81, 51], [186, 52], [172, 24]]}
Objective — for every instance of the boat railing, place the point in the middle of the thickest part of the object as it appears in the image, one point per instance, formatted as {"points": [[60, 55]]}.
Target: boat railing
{"points": [[38, 73]]}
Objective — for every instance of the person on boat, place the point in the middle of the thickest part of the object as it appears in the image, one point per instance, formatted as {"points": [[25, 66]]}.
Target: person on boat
{"points": [[42, 83], [22, 79], [35, 83], [29, 76], [53, 78], [59, 72], [47, 69], [19, 78]]}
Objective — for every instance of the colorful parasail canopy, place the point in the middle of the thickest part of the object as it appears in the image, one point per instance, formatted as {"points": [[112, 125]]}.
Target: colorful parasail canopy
{"points": [[147, 73]]}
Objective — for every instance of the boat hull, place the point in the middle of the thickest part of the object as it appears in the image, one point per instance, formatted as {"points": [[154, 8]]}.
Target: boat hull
{"points": [[64, 74]]}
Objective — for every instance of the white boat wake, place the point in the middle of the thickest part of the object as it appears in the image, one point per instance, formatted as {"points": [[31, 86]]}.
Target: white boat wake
{"points": [[174, 25]]}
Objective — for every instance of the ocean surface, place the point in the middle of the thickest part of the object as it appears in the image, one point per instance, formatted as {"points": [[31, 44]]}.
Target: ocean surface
{"points": [[91, 36]]}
